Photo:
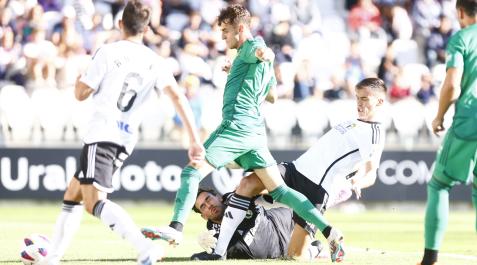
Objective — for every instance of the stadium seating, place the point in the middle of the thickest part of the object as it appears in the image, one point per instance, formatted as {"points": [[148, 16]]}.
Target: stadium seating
{"points": [[408, 117], [342, 110], [52, 110], [280, 118], [158, 110], [17, 114], [312, 117]]}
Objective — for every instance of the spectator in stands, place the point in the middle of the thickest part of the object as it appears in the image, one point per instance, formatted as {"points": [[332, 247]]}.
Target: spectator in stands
{"points": [[400, 89], [9, 53], [281, 42], [41, 55], [426, 91], [191, 86], [354, 69], [388, 68], [195, 32], [437, 41], [337, 89], [401, 23], [425, 14], [364, 18], [304, 82]]}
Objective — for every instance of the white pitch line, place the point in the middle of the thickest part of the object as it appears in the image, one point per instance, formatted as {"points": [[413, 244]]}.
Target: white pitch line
{"points": [[382, 251]]}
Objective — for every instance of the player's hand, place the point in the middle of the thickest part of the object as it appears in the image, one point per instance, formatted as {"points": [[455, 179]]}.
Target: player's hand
{"points": [[207, 240], [438, 125], [196, 153], [265, 54], [227, 65], [357, 191]]}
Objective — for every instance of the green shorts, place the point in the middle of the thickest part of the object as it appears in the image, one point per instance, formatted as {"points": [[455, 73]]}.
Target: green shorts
{"points": [[230, 142], [456, 160]]}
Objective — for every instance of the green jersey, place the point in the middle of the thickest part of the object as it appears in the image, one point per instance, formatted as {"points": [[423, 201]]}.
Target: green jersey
{"points": [[248, 83], [462, 53]]}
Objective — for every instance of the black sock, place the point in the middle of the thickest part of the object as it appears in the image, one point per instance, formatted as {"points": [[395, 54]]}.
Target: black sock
{"points": [[430, 257], [177, 226], [327, 231]]}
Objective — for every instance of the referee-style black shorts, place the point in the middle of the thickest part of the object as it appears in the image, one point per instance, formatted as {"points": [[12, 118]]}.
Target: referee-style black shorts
{"points": [[98, 163], [314, 192]]}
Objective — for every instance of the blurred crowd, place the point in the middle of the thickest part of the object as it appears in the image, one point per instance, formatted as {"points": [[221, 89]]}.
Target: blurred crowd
{"points": [[323, 47]]}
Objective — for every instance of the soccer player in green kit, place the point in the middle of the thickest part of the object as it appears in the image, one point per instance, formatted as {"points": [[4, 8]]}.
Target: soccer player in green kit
{"points": [[241, 138], [457, 156]]}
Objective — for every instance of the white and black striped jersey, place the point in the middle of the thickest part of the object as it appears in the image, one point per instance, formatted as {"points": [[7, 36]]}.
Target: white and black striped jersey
{"points": [[339, 153], [123, 75]]}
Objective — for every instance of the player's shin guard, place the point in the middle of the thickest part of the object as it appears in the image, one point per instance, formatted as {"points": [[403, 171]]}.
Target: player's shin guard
{"points": [[185, 196], [233, 216], [300, 204], [120, 222], [67, 224], [437, 212]]}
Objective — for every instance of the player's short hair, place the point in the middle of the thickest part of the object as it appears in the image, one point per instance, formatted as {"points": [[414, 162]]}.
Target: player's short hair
{"points": [[208, 190], [373, 83], [469, 6], [234, 14], [136, 16]]}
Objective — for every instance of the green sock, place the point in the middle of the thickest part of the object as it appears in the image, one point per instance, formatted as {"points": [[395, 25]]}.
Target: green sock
{"points": [[474, 199], [300, 204], [437, 213], [185, 196]]}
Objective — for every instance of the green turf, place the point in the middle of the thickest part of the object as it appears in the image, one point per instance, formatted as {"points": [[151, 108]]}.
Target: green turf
{"points": [[372, 238]]}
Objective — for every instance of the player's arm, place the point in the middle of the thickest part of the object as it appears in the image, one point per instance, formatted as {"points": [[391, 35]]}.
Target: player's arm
{"points": [[82, 90], [196, 150], [272, 95], [258, 53], [449, 93], [87, 83], [265, 54], [365, 177]]}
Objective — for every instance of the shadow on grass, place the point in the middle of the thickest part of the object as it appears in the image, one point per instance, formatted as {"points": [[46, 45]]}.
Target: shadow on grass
{"points": [[171, 259]]}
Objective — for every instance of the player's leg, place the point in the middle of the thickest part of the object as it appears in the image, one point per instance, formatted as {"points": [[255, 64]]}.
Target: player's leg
{"points": [[185, 196], [102, 162], [303, 207], [300, 245], [453, 165], [222, 147], [67, 222]]}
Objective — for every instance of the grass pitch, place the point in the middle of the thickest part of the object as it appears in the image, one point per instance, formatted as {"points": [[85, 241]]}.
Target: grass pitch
{"points": [[384, 237]]}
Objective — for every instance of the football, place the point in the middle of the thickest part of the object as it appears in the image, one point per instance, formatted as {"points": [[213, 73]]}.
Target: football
{"points": [[35, 249]]}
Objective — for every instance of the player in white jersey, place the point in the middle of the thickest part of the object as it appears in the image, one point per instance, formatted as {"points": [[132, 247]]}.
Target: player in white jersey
{"points": [[345, 157], [120, 79]]}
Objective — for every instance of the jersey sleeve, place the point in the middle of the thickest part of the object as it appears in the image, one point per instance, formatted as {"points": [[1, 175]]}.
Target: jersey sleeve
{"points": [[164, 77], [96, 70], [455, 52], [248, 53]]}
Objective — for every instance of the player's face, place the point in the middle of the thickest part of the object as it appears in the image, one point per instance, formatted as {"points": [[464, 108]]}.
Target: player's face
{"points": [[230, 34], [367, 103], [210, 206]]}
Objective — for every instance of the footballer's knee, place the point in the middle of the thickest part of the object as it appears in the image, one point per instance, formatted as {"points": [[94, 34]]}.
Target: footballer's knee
{"points": [[250, 186], [73, 191]]}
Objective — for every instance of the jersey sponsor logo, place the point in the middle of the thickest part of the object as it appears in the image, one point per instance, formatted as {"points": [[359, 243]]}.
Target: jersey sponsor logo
{"points": [[123, 127], [344, 127]]}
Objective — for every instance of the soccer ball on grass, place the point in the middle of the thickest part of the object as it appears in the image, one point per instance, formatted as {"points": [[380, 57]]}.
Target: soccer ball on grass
{"points": [[35, 249]]}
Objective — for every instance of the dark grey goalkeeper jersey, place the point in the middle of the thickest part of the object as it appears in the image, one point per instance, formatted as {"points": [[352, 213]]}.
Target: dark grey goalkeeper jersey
{"points": [[263, 234]]}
